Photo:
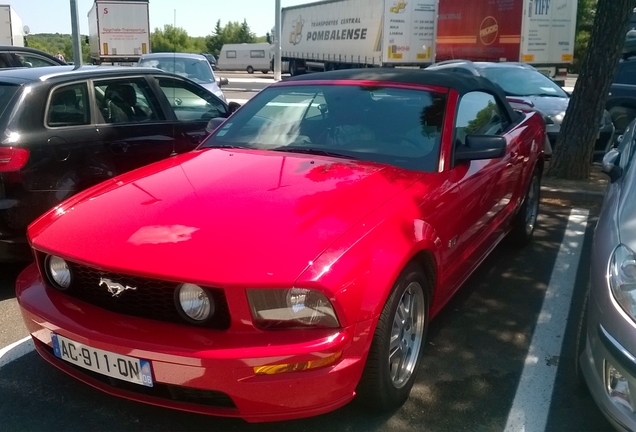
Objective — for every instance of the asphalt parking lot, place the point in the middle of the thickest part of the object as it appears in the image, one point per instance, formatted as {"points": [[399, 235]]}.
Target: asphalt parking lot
{"points": [[469, 379]]}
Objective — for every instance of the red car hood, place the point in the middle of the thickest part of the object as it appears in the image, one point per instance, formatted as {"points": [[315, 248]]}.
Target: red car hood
{"points": [[219, 216]]}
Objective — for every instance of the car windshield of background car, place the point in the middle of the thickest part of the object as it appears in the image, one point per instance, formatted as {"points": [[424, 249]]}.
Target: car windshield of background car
{"points": [[523, 82], [195, 69], [388, 125]]}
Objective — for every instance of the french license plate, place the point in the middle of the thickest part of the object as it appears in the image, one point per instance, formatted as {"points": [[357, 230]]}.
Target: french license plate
{"points": [[104, 362]]}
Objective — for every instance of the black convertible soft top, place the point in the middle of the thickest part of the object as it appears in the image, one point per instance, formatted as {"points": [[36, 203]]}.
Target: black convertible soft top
{"points": [[462, 83]]}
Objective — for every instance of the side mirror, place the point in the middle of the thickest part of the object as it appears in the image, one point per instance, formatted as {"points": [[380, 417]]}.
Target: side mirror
{"points": [[233, 106], [223, 81], [214, 123], [479, 147], [610, 165]]}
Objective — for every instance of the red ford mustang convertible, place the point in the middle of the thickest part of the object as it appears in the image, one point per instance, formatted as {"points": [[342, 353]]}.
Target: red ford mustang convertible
{"points": [[294, 260]]}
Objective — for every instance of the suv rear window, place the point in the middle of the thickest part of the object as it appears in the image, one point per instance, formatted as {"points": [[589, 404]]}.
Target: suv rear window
{"points": [[7, 91]]}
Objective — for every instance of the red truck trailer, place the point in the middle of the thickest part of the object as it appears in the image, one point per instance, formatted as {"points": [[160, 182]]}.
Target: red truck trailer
{"points": [[538, 32]]}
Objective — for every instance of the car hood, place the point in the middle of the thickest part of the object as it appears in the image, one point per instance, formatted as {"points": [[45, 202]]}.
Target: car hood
{"points": [[219, 216], [550, 106]]}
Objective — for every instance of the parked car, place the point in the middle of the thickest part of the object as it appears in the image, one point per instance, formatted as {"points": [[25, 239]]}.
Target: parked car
{"points": [[63, 130], [295, 259], [607, 339], [192, 66], [18, 57], [525, 87], [211, 59], [621, 101]]}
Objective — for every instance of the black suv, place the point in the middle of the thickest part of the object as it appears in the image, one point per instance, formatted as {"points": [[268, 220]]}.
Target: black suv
{"points": [[527, 88], [621, 101], [15, 57], [63, 130]]}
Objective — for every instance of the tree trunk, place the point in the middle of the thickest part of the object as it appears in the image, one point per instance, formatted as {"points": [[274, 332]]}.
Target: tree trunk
{"points": [[575, 145]]}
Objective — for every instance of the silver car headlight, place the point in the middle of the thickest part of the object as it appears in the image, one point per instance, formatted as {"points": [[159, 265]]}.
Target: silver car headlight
{"points": [[58, 272], [558, 119], [622, 279], [194, 303], [291, 308]]}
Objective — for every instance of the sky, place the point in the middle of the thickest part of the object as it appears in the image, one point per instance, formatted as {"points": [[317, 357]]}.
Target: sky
{"points": [[197, 17]]}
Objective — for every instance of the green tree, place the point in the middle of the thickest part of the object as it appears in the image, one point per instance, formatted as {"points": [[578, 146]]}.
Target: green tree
{"points": [[245, 35], [232, 32], [575, 144], [170, 39], [584, 23]]}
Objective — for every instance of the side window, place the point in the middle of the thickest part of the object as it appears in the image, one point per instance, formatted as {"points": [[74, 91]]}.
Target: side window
{"points": [[478, 114], [33, 60], [126, 101], [257, 53], [190, 102], [230, 54], [627, 73], [68, 106]]}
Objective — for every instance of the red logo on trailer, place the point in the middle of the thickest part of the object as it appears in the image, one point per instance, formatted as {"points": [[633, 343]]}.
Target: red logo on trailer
{"points": [[488, 30]]}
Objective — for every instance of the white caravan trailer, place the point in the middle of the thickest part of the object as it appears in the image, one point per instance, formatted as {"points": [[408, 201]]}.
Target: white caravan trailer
{"points": [[247, 57]]}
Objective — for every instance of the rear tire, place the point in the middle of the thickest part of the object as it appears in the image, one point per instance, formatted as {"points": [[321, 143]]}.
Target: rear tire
{"points": [[396, 350], [525, 221], [250, 70], [292, 68]]}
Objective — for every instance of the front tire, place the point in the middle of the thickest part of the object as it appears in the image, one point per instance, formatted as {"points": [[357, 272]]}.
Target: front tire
{"points": [[250, 70], [396, 350], [525, 221]]}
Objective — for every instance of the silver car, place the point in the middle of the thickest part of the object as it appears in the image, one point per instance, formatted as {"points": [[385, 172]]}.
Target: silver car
{"points": [[192, 66], [527, 88], [606, 346]]}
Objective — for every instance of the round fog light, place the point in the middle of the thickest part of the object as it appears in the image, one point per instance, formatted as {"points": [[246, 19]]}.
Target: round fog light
{"points": [[194, 302], [59, 272]]}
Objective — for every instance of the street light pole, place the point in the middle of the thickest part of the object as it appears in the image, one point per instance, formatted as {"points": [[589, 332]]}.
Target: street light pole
{"points": [[277, 47], [75, 28]]}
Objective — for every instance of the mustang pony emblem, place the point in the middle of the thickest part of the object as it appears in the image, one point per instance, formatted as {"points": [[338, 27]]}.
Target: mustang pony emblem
{"points": [[114, 288]]}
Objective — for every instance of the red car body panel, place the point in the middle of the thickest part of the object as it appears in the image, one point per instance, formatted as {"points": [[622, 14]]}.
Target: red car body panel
{"points": [[239, 219]]}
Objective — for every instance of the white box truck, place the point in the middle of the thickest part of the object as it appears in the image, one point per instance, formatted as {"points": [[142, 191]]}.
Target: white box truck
{"points": [[11, 30], [118, 31], [248, 57], [338, 34]]}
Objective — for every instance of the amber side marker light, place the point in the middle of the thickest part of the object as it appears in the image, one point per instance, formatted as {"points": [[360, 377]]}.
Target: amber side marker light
{"points": [[296, 367]]}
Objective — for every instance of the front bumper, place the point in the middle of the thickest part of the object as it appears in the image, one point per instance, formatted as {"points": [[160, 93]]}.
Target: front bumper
{"points": [[604, 141], [202, 370], [611, 337]]}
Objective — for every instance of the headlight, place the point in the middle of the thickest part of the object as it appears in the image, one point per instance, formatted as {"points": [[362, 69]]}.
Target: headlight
{"points": [[559, 117], [288, 308], [194, 303], [548, 120], [58, 271], [622, 279]]}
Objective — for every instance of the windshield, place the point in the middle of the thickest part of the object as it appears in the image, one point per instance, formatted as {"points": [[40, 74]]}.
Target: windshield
{"points": [[523, 82], [197, 70], [378, 124]]}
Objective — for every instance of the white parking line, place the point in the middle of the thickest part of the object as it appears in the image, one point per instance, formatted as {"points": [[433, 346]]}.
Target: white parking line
{"points": [[530, 408], [16, 350]]}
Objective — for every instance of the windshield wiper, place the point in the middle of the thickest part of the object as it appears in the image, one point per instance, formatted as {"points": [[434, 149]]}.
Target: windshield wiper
{"points": [[313, 151], [222, 146]]}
